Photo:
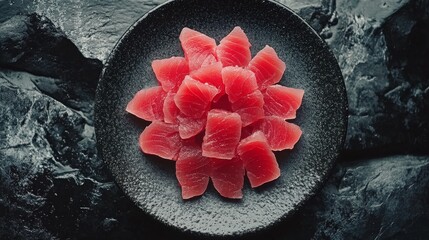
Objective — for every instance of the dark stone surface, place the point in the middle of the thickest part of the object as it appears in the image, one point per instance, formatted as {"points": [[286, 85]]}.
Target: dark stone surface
{"points": [[32, 43], [53, 186], [381, 198], [28, 42], [381, 47], [93, 25]]}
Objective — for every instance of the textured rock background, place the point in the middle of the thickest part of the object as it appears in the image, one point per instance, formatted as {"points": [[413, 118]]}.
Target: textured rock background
{"points": [[53, 186]]}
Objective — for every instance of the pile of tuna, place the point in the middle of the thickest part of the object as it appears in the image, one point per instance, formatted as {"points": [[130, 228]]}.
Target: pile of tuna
{"points": [[218, 113]]}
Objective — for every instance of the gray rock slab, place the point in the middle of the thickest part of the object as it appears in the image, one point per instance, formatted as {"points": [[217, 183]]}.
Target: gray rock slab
{"points": [[379, 198]]}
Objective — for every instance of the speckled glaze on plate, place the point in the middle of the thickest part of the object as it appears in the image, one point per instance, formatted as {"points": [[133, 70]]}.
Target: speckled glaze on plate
{"points": [[151, 182]]}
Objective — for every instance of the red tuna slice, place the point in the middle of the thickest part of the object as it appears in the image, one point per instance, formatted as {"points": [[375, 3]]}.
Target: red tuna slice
{"points": [[234, 49], [267, 66], [194, 98], [223, 131], [238, 82], [147, 104], [199, 49], [192, 171], [250, 107], [189, 127], [170, 109], [161, 139], [170, 72], [212, 75], [280, 134], [222, 103], [228, 177], [258, 159], [282, 101]]}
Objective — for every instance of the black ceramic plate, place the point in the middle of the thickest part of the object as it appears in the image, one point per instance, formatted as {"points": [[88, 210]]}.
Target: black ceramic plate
{"points": [[150, 181]]}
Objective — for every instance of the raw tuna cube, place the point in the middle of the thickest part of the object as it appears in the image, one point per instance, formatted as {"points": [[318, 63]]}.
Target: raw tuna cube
{"points": [[280, 134], [267, 66], [258, 159], [228, 177], [194, 98], [234, 49], [250, 107], [170, 72], [199, 49], [170, 109], [161, 139], [192, 171], [238, 82], [282, 101], [189, 127], [147, 104], [212, 75], [223, 130]]}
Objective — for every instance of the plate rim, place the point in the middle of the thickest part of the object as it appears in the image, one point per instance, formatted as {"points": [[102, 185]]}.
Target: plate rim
{"points": [[317, 187]]}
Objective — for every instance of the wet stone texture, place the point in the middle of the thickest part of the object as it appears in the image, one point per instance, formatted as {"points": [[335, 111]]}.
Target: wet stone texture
{"points": [[381, 47], [53, 185]]}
